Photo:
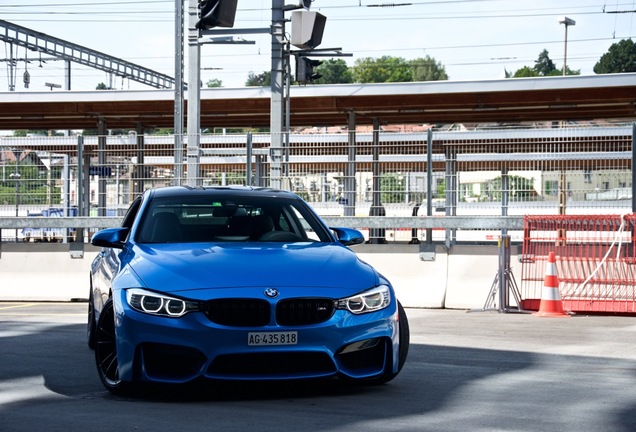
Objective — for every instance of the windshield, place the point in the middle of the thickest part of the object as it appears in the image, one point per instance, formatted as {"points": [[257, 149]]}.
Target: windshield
{"points": [[208, 218]]}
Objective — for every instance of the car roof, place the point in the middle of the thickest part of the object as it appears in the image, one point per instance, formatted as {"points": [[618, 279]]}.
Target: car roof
{"points": [[172, 191]]}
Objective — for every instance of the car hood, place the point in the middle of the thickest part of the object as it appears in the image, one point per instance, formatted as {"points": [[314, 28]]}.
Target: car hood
{"points": [[182, 267]]}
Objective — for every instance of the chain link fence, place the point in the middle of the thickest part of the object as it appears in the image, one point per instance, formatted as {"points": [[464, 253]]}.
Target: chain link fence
{"points": [[492, 172]]}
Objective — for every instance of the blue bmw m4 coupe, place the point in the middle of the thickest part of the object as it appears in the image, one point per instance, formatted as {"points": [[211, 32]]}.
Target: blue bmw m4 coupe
{"points": [[242, 283]]}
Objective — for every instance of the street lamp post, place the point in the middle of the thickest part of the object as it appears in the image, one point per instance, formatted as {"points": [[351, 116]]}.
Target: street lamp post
{"points": [[566, 22], [16, 178], [561, 234]]}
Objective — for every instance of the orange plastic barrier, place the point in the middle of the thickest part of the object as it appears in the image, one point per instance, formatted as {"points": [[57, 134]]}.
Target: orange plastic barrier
{"points": [[594, 257]]}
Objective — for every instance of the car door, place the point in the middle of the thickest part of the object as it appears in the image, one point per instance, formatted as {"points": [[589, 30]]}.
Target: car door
{"points": [[107, 264]]}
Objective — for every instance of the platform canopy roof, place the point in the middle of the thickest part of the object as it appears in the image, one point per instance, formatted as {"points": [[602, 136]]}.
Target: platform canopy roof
{"points": [[571, 98]]}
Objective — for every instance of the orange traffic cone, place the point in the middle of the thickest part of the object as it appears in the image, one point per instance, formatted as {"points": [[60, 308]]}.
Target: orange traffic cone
{"points": [[551, 305]]}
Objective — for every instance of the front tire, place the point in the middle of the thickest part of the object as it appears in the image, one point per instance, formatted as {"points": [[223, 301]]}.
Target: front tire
{"points": [[405, 336], [91, 325], [106, 352], [403, 350]]}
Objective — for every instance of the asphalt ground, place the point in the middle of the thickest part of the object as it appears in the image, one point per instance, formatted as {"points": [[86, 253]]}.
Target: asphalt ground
{"points": [[466, 371]]}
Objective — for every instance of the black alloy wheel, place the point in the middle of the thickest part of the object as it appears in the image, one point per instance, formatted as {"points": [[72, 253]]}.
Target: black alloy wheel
{"points": [[91, 325], [106, 352]]}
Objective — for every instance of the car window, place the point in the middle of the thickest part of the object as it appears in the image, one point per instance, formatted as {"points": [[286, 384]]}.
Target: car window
{"points": [[308, 229], [208, 218], [129, 217]]}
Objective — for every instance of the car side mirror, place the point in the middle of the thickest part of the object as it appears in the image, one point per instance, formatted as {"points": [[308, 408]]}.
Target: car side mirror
{"points": [[348, 236], [111, 237]]}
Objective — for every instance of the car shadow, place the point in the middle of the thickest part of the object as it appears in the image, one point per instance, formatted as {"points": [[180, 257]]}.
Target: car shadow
{"points": [[432, 378]]}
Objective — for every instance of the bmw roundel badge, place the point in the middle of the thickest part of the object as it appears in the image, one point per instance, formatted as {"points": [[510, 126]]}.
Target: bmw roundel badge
{"points": [[271, 292]]}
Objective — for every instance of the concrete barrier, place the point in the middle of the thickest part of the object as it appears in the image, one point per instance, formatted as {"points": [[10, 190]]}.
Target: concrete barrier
{"points": [[417, 283], [460, 278], [44, 272], [474, 269]]}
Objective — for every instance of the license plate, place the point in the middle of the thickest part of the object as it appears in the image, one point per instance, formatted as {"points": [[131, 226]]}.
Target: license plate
{"points": [[272, 338]]}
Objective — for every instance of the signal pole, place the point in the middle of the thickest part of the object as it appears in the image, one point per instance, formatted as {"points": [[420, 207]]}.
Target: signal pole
{"points": [[277, 85], [178, 94], [194, 96], [278, 66]]}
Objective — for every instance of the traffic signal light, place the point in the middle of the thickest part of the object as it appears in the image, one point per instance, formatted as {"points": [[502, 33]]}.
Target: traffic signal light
{"points": [[216, 13], [305, 70], [306, 4], [301, 4], [307, 29]]}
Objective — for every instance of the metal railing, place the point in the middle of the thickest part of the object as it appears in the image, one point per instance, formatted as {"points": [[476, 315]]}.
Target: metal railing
{"points": [[431, 180]]}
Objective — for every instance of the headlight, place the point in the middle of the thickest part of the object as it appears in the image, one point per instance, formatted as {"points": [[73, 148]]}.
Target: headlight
{"points": [[158, 304], [368, 301]]}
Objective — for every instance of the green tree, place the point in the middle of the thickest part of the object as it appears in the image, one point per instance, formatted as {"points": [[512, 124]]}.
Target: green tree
{"points": [[381, 70], [94, 132], [214, 83], [568, 71], [159, 131], [102, 86], [27, 132], [30, 187], [544, 66], [261, 80], [334, 71], [393, 187], [428, 69], [440, 190], [525, 72], [215, 178], [620, 58], [520, 188], [556, 72]]}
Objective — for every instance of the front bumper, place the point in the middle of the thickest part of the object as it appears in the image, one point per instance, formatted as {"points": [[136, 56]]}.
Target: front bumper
{"points": [[179, 350]]}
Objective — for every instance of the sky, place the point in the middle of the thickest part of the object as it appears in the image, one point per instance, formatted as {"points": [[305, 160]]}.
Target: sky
{"points": [[472, 39]]}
